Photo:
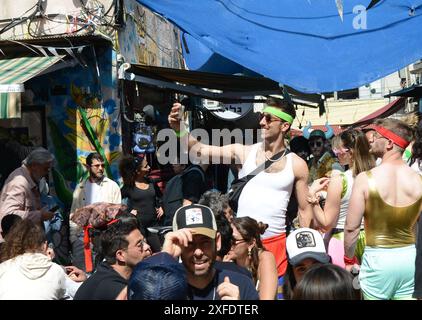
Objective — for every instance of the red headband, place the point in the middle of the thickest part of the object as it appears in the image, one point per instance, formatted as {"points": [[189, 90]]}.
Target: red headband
{"points": [[402, 143], [112, 222]]}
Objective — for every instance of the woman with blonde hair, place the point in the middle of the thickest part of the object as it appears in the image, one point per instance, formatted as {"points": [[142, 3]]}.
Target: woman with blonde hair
{"points": [[247, 251], [353, 151]]}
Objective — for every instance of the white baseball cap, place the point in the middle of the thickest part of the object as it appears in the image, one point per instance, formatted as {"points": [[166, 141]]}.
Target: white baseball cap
{"points": [[306, 243]]}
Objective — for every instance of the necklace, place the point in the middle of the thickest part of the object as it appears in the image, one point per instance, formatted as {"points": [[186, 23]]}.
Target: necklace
{"points": [[275, 160]]}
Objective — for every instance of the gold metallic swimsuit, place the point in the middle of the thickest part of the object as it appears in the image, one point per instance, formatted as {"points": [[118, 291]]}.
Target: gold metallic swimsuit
{"points": [[387, 226]]}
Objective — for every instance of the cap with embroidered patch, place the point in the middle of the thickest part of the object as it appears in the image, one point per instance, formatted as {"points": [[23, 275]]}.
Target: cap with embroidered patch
{"points": [[306, 243], [200, 219]]}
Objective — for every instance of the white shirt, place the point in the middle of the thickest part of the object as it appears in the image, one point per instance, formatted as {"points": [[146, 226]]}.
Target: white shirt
{"points": [[265, 197], [93, 193], [31, 276]]}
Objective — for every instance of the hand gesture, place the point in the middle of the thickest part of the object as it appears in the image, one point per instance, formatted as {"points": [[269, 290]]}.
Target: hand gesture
{"points": [[160, 212], [228, 290], [176, 116], [175, 241], [229, 257], [75, 274], [46, 215], [319, 185]]}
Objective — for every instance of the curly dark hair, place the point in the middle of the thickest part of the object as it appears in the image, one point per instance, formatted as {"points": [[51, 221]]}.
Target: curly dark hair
{"points": [[127, 169], [25, 236], [219, 203]]}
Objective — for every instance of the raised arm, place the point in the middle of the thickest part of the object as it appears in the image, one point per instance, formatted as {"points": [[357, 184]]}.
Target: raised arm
{"points": [[355, 214], [301, 173], [232, 153], [328, 216]]}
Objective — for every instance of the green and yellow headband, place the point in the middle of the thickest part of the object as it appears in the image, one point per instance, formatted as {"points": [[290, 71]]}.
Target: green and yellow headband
{"points": [[278, 113]]}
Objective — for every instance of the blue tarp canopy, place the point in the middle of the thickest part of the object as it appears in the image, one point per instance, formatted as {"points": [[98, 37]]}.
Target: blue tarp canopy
{"points": [[302, 43]]}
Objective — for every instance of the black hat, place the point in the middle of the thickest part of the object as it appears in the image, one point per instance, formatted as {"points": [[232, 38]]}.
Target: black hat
{"points": [[200, 219]]}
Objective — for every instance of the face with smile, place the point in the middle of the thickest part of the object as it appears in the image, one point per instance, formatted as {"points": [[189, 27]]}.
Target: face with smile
{"points": [[271, 126], [199, 256], [239, 249]]}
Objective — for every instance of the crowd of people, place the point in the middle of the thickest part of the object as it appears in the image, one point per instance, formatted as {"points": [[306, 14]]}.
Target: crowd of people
{"points": [[322, 217]]}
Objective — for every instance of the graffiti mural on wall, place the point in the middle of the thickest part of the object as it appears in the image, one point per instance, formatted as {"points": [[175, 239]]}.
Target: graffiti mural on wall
{"points": [[82, 118], [149, 39]]}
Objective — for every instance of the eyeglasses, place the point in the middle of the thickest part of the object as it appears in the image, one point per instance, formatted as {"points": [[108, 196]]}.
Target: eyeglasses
{"points": [[316, 144], [140, 244], [268, 118], [98, 165], [377, 136], [235, 242]]}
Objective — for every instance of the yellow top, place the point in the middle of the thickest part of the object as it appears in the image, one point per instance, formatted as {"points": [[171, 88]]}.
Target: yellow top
{"points": [[387, 226]]}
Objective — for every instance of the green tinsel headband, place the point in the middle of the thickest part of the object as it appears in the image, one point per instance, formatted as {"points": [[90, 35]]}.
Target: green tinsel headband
{"points": [[278, 113]]}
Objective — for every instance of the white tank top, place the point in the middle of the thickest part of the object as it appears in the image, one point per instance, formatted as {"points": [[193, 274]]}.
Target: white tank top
{"points": [[266, 196], [344, 203]]}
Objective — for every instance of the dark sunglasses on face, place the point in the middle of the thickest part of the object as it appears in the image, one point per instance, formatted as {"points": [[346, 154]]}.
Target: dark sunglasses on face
{"points": [[268, 118], [237, 241], [315, 144]]}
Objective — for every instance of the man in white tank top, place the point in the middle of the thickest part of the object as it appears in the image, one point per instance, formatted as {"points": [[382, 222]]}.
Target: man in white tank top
{"points": [[265, 197]]}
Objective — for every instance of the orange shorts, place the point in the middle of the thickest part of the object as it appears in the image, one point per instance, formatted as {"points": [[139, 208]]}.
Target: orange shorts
{"points": [[277, 245]]}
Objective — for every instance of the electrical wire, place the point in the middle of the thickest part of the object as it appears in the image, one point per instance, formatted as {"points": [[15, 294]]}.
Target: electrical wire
{"points": [[22, 19]]}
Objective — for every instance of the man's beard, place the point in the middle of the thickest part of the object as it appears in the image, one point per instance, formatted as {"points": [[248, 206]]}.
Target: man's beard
{"points": [[97, 177]]}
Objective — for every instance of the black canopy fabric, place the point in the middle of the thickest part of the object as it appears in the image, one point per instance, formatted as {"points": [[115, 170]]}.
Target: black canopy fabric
{"points": [[233, 86]]}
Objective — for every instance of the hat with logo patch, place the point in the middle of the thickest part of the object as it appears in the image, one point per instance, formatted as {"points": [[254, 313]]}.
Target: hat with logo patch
{"points": [[306, 243], [200, 219]]}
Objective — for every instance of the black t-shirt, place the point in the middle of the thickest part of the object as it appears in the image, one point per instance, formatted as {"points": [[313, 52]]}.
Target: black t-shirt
{"points": [[245, 284], [189, 185], [104, 284], [144, 201], [194, 183]]}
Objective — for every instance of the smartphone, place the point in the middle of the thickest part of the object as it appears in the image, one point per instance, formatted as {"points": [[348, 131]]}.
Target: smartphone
{"points": [[54, 209]]}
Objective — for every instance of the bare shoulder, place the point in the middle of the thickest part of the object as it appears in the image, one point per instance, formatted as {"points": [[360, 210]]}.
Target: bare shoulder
{"points": [[266, 257], [300, 167], [361, 177], [361, 181]]}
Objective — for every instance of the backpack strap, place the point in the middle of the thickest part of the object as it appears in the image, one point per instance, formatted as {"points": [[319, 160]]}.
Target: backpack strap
{"points": [[268, 162]]}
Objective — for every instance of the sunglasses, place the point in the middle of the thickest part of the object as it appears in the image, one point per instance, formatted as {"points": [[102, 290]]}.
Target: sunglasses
{"points": [[237, 241], [268, 118], [339, 151], [316, 144]]}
